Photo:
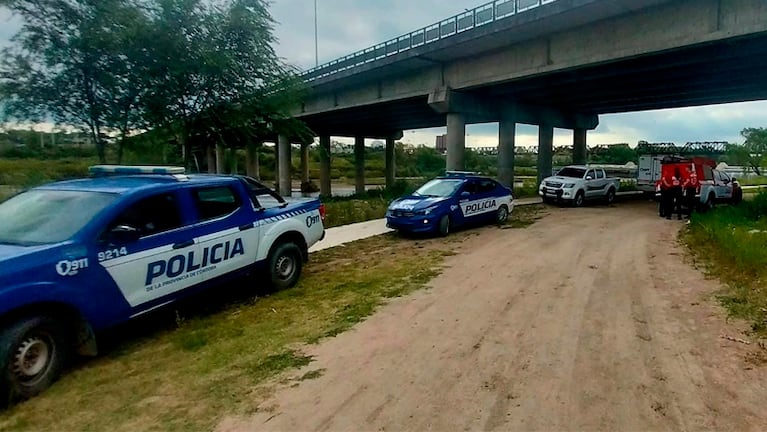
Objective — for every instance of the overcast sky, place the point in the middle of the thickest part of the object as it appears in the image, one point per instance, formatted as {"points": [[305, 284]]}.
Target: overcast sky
{"points": [[345, 26]]}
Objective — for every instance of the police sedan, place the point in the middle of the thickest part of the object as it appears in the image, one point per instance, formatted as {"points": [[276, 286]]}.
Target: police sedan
{"points": [[449, 201]]}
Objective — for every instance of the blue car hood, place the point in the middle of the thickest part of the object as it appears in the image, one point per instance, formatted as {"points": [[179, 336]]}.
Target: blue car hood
{"points": [[8, 251], [415, 202]]}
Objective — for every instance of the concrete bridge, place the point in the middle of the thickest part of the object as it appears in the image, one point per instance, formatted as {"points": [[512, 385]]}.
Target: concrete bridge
{"points": [[554, 64]]}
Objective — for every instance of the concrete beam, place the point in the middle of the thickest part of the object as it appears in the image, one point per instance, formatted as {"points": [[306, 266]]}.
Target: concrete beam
{"points": [[359, 164], [325, 165], [391, 162], [579, 147], [456, 141], [545, 151], [507, 129], [283, 151]]}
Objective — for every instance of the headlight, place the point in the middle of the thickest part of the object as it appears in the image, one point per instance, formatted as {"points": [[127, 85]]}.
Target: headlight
{"points": [[569, 185], [426, 211]]}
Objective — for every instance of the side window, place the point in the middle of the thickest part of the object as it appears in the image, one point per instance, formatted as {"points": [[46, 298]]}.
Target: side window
{"points": [[471, 187], [151, 215], [215, 202], [600, 174], [590, 173], [486, 186], [725, 176]]}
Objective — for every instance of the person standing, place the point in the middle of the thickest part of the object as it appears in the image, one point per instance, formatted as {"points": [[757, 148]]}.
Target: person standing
{"points": [[690, 189], [676, 195], [665, 196]]}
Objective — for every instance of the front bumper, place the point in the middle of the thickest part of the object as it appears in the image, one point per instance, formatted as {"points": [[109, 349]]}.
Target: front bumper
{"points": [[413, 223], [559, 194]]}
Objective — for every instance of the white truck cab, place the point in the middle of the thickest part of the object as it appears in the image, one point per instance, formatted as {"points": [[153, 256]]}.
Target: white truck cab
{"points": [[575, 184]]}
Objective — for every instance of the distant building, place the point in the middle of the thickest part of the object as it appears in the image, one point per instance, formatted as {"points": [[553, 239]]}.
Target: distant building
{"points": [[442, 144]]}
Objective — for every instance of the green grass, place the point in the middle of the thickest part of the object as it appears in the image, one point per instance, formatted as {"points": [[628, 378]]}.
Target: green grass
{"points": [[188, 370], [752, 181], [32, 172], [731, 242], [353, 211]]}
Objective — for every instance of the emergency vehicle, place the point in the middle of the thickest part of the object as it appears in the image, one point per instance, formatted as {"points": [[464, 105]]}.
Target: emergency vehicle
{"points": [[456, 199], [712, 186], [80, 256]]}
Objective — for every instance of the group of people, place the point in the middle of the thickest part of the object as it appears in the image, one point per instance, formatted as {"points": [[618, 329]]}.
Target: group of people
{"points": [[676, 193]]}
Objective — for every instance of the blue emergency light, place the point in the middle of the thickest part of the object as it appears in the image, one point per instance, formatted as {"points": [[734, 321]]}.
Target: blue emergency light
{"points": [[104, 170]]}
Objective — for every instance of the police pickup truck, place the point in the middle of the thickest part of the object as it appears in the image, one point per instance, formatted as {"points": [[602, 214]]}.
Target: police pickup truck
{"points": [[80, 256], [576, 184]]}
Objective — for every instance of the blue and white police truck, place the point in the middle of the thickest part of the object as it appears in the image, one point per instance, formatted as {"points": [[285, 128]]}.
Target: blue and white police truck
{"points": [[455, 199], [80, 256]]}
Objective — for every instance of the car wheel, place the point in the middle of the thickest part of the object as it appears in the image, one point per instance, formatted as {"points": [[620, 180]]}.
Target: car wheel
{"points": [[709, 204], [285, 263], [737, 196], [579, 199], [444, 225], [502, 215], [33, 352], [610, 197]]}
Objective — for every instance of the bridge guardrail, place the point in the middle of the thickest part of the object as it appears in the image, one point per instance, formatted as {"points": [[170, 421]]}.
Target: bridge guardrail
{"points": [[479, 16]]}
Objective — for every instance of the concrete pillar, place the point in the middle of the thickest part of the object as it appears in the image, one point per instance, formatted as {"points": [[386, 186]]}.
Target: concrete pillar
{"points": [[252, 168], [545, 151], [277, 166], [304, 163], [325, 189], [391, 163], [283, 149], [579, 147], [359, 164], [220, 158], [233, 160], [507, 130], [456, 141], [210, 155]]}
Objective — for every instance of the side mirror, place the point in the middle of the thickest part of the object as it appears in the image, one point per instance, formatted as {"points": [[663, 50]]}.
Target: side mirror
{"points": [[465, 194], [122, 234], [588, 178]]}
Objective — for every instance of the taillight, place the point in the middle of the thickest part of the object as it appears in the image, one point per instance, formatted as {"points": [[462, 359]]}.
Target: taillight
{"points": [[322, 211]]}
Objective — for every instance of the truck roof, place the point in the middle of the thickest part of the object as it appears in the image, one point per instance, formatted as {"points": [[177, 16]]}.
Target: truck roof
{"points": [[123, 184]]}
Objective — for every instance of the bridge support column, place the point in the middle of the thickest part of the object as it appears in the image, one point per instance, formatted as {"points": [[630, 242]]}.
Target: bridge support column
{"points": [[456, 141], [545, 151], [210, 155], [283, 161], [391, 162], [359, 163], [579, 147], [304, 163], [325, 165], [252, 167], [507, 130], [220, 158]]}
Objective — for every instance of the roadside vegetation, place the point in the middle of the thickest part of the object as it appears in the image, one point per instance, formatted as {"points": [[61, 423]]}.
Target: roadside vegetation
{"points": [[731, 241], [184, 369]]}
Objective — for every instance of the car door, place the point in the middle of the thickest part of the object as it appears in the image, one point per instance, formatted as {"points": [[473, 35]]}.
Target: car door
{"points": [[149, 250], [227, 229], [590, 181], [724, 186], [479, 203]]}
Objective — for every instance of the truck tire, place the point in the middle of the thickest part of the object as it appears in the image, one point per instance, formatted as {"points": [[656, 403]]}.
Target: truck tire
{"points": [[285, 264], [709, 204], [580, 199], [444, 226], [610, 197], [33, 353]]}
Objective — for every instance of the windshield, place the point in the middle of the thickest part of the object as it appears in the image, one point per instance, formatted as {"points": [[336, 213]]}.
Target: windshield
{"points": [[439, 188], [48, 216], [572, 172]]}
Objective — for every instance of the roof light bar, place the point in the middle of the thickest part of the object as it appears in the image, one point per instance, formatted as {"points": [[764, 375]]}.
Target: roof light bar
{"points": [[128, 169]]}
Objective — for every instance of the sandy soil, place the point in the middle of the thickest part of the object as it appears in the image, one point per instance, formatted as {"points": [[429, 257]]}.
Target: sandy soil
{"points": [[591, 319]]}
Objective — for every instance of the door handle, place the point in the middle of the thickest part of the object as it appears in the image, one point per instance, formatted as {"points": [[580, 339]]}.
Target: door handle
{"points": [[183, 244], [246, 227]]}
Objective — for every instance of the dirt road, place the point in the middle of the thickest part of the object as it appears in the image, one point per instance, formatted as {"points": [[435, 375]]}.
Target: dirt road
{"points": [[588, 320]]}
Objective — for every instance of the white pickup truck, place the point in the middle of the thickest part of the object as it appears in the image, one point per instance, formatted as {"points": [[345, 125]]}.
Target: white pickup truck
{"points": [[577, 183]]}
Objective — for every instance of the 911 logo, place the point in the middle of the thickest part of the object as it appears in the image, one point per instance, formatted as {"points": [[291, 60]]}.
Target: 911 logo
{"points": [[71, 268]]}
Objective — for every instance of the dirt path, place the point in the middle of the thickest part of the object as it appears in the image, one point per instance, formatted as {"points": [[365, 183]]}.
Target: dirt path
{"points": [[588, 320]]}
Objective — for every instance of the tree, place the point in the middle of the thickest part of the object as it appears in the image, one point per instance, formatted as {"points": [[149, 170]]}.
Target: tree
{"points": [[66, 64], [213, 72], [754, 149]]}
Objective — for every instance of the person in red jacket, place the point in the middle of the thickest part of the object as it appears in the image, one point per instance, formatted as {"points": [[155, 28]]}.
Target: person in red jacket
{"points": [[676, 195], [690, 189], [666, 199]]}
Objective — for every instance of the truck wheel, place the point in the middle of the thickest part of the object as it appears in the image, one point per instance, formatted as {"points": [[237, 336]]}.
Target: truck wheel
{"points": [[610, 197], [33, 352], [285, 263], [709, 204], [579, 199], [503, 214], [444, 226]]}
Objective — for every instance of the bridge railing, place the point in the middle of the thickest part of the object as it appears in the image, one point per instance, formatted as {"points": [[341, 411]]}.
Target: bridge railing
{"points": [[477, 17]]}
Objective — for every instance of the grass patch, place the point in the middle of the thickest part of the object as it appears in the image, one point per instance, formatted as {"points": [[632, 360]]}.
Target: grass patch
{"points": [[185, 369], [524, 216], [752, 181], [343, 212], [731, 242]]}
